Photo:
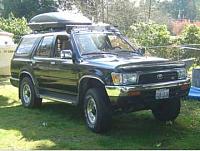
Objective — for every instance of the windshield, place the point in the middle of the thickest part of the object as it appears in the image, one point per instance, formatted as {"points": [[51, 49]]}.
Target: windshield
{"points": [[92, 43]]}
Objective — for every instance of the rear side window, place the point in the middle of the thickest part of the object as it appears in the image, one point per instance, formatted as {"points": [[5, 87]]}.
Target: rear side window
{"points": [[45, 47], [26, 46]]}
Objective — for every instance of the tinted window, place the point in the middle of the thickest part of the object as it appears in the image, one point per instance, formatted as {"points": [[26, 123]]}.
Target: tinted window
{"points": [[26, 45], [62, 43], [45, 47], [102, 42]]}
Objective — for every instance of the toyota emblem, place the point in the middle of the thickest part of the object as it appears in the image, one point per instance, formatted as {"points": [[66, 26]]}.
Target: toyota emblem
{"points": [[160, 76]]}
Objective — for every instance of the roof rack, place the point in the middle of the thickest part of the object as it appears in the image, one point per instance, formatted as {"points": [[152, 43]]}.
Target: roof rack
{"points": [[93, 27], [61, 21]]}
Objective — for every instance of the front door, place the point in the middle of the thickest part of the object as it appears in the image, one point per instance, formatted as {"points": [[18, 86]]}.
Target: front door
{"points": [[63, 73]]}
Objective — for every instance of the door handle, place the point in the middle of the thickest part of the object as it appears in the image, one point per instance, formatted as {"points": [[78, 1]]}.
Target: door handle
{"points": [[33, 61], [53, 62]]}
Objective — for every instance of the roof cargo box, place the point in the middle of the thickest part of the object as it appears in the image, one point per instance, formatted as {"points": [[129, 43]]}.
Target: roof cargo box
{"points": [[57, 20]]}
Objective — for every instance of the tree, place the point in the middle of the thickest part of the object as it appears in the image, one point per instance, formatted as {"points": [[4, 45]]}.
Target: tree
{"points": [[91, 8], [182, 9], [17, 26], [150, 35], [121, 13], [28, 8], [65, 4], [197, 4]]}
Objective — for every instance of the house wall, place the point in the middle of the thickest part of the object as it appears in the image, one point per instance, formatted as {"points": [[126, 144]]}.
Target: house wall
{"points": [[7, 48]]}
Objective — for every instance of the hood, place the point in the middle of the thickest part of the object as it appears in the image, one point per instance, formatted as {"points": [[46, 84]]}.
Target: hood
{"points": [[129, 62]]}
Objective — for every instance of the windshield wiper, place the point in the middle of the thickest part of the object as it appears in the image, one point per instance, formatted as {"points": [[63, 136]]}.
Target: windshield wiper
{"points": [[124, 51], [131, 51], [96, 53]]}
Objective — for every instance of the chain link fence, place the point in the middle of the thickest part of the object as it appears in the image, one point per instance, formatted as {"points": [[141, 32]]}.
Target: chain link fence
{"points": [[189, 53]]}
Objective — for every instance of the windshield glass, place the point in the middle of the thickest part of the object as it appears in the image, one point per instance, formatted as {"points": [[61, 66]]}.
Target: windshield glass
{"points": [[92, 43]]}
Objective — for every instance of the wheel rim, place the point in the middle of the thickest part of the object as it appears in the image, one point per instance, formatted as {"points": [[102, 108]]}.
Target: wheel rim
{"points": [[91, 110], [27, 93]]}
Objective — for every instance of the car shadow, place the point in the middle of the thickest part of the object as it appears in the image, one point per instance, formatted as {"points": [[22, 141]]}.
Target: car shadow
{"points": [[6, 101], [4, 80], [64, 126]]}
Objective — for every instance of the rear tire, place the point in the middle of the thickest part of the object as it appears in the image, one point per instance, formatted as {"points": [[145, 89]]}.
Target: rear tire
{"points": [[27, 94], [97, 110], [167, 111]]}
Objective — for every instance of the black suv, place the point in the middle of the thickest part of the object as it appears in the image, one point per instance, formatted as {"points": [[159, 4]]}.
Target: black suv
{"points": [[96, 68]]}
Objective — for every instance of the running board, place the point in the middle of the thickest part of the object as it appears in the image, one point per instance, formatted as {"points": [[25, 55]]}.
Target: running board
{"points": [[70, 99]]}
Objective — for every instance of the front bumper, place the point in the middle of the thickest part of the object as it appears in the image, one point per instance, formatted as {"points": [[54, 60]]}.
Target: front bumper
{"points": [[179, 88]]}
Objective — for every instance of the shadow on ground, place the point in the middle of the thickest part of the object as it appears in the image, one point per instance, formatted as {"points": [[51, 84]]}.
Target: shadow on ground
{"points": [[64, 126], [6, 101], [61, 126], [4, 80]]}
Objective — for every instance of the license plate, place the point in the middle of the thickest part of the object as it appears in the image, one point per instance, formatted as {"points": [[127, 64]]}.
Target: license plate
{"points": [[162, 94]]}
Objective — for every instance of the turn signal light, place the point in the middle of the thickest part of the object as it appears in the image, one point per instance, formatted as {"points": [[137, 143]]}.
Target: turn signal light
{"points": [[184, 87], [134, 93]]}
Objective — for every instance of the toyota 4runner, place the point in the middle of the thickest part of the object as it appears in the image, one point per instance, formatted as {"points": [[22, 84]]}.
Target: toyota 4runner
{"points": [[69, 59]]}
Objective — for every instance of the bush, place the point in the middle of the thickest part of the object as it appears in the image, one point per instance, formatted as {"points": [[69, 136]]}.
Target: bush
{"points": [[17, 26], [191, 35], [151, 34]]}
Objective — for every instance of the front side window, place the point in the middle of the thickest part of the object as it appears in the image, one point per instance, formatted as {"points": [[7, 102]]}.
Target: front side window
{"points": [[45, 47], [62, 43], [26, 45]]}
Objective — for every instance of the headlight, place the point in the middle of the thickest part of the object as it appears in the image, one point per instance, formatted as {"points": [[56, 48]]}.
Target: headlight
{"points": [[123, 79], [130, 78], [182, 74]]}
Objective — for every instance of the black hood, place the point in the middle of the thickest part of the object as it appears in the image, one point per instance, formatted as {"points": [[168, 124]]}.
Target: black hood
{"points": [[131, 62]]}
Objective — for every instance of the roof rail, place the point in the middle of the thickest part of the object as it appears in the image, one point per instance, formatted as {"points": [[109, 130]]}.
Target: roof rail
{"points": [[97, 27], [49, 30]]}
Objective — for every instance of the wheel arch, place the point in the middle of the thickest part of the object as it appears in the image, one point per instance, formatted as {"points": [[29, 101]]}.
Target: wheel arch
{"points": [[27, 74], [87, 82]]}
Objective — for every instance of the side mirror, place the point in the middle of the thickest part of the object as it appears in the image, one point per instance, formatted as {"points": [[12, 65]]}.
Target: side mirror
{"points": [[66, 54], [142, 50]]}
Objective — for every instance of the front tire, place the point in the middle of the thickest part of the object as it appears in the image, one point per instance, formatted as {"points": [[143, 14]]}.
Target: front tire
{"points": [[167, 111], [27, 94], [97, 110]]}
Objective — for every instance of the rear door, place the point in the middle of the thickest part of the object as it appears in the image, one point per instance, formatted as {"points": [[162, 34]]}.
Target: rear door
{"points": [[41, 61]]}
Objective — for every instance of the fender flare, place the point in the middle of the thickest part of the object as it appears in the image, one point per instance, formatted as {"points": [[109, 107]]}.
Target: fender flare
{"points": [[87, 77], [32, 79]]}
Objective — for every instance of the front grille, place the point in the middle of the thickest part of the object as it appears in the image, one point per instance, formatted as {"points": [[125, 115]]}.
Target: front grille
{"points": [[158, 77]]}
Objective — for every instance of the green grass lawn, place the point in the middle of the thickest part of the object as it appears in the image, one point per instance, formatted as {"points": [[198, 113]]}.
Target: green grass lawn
{"points": [[60, 126]]}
